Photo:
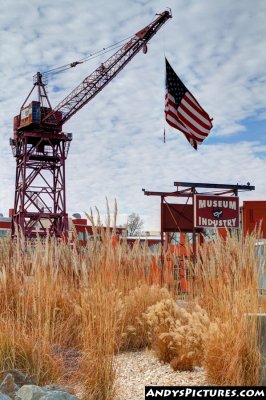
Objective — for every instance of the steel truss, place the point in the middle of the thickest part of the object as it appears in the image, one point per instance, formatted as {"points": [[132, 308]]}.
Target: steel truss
{"points": [[40, 206]]}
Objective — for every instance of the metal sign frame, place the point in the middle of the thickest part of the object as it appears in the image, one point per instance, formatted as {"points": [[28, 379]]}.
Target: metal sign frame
{"points": [[189, 190]]}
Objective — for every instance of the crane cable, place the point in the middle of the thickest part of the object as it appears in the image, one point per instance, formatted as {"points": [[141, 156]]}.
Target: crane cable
{"points": [[87, 58]]}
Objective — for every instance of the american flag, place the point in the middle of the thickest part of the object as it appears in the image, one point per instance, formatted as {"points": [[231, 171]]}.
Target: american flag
{"points": [[183, 112]]}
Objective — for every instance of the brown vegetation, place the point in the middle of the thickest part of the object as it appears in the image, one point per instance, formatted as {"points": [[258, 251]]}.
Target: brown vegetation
{"points": [[226, 286], [65, 311], [176, 334]]}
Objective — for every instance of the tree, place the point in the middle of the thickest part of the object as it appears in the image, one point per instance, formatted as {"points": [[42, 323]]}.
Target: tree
{"points": [[134, 224]]}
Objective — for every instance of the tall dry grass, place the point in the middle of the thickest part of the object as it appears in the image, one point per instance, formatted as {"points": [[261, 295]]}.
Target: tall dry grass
{"points": [[132, 308], [65, 311], [226, 284]]}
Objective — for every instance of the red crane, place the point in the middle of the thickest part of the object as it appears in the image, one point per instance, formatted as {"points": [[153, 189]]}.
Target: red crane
{"points": [[41, 148]]}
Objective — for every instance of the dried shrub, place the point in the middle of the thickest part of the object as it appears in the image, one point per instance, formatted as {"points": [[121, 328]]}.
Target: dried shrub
{"points": [[177, 335]]}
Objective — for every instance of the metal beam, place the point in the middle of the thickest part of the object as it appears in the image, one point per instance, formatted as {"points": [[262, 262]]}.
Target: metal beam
{"points": [[215, 186], [166, 194]]}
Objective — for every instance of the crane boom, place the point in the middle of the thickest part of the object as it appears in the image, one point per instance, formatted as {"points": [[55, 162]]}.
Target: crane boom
{"points": [[98, 79], [41, 148]]}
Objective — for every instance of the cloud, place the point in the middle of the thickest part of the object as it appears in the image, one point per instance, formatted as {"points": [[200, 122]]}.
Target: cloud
{"points": [[217, 49]]}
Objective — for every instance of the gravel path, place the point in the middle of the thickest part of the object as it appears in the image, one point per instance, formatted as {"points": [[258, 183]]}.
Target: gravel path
{"points": [[135, 370]]}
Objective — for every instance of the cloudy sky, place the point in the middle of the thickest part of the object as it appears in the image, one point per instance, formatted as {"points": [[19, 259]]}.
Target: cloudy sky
{"points": [[216, 47]]}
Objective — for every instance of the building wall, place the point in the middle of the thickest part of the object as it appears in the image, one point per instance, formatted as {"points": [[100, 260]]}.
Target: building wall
{"points": [[5, 227], [254, 217]]}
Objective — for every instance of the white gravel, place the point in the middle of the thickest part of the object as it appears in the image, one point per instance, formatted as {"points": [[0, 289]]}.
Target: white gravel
{"points": [[137, 369]]}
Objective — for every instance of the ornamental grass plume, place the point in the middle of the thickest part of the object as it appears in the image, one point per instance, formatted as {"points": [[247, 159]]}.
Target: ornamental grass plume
{"points": [[66, 310], [60, 308], [232, 355], [177, 335], [132, 307], [226, 283]]}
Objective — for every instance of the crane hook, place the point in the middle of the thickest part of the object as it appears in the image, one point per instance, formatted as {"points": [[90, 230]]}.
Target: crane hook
{"points": [[145, 48]]}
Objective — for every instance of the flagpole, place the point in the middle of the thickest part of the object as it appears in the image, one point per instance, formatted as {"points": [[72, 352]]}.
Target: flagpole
{"points": [[194, 234], [162, 243]]}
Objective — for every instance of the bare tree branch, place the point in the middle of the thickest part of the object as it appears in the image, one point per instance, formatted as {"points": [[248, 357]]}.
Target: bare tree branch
{"points": [[134, 224]]}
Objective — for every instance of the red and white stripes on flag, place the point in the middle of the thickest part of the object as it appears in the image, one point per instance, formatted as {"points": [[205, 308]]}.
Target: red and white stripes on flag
{"points": [[183, 112]]}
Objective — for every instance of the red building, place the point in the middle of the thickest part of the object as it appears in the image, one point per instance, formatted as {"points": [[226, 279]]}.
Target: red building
{"points": [[84, 232], [77, 227], [5, 225], [253, 216]]}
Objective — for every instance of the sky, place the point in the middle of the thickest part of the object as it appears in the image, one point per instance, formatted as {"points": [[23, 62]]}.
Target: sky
{"points": [[217, 48]]}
